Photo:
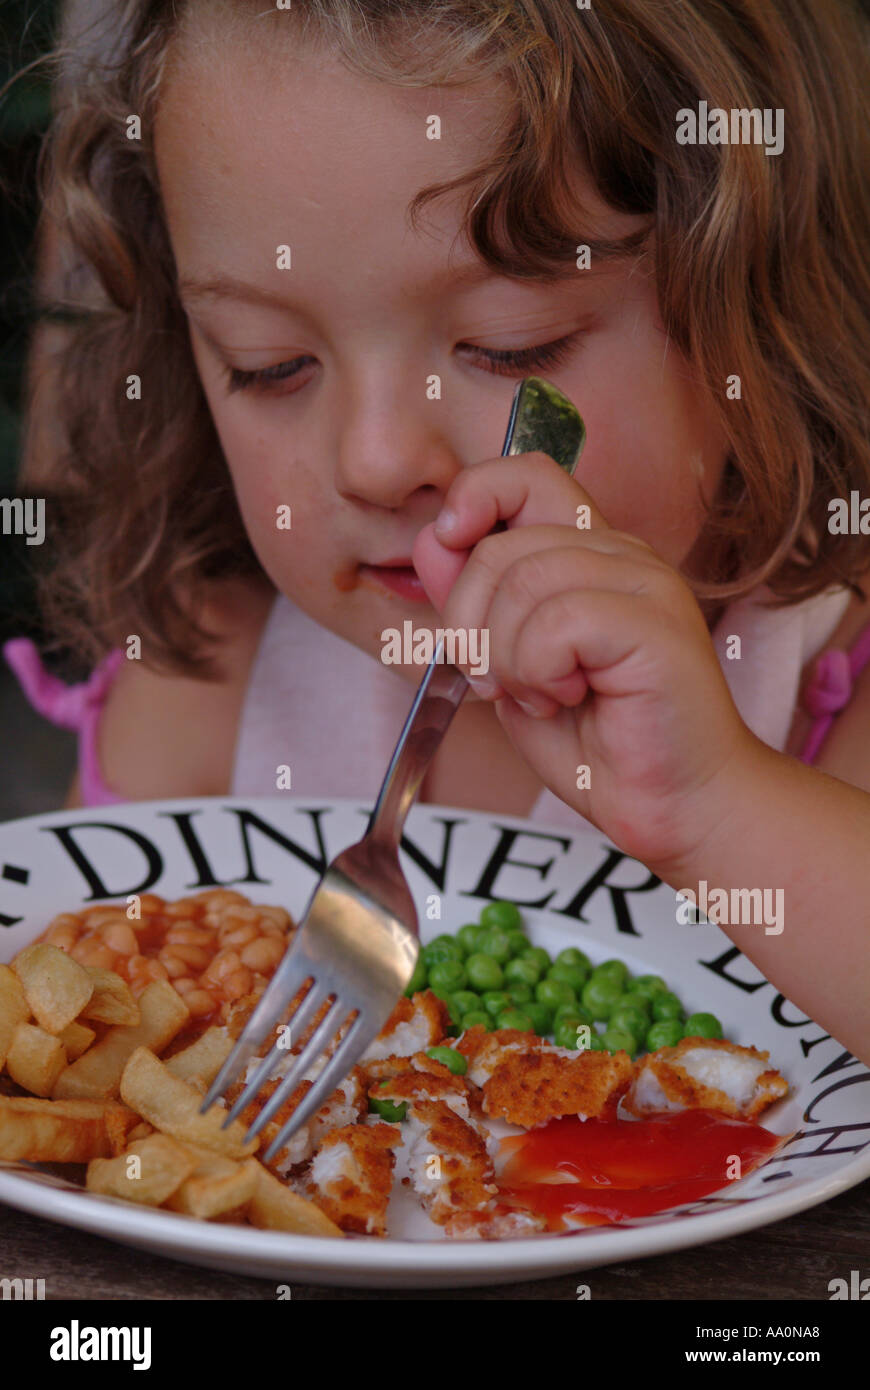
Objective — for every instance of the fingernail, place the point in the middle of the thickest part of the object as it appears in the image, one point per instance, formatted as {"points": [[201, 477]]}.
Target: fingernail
{"points": [[482, 685], [533, 710], [446, 521]]}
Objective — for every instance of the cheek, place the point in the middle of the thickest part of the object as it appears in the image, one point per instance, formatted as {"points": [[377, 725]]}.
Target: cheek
{"points": [[654, 449]]}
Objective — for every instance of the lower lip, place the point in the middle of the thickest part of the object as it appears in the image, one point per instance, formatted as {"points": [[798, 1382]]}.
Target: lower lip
{"points": [[399, 579]]}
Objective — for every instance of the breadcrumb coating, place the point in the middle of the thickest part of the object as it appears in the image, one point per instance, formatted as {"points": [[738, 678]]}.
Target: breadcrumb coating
{"points": [[351, 1176], [705, 1074]]}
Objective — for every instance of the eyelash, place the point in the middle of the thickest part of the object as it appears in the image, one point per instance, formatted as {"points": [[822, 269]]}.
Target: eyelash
{"points": [[501, 361]]}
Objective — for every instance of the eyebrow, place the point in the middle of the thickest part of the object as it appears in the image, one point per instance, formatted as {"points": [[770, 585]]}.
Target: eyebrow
{"points": [[195, 289]]}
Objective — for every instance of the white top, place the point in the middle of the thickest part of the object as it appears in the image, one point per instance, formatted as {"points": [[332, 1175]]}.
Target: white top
{"points": [[332, 714]]}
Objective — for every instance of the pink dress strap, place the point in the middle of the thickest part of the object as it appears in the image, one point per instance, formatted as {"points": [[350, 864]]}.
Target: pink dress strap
{"points": [[69, 706], [830, 689]]}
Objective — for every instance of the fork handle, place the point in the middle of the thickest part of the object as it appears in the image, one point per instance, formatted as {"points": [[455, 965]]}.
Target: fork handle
{"points": [[438, 697]]}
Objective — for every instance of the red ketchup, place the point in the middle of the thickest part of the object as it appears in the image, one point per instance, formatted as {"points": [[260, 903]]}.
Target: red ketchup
{"points": [[600, 1172]]}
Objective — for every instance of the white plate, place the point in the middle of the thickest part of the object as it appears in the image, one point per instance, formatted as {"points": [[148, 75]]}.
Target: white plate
{"points": [[583, 892]]}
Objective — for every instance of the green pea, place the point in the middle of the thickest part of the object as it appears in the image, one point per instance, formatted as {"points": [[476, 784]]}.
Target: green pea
{"points": [[571, 956], [495, 1000], [595, 1044], [612, 970], [667, 1033], [501, 914], [619, 1039], [600, 995], [452, 1008], [630, 1019], [554, 993], [442, 948], [419, 978], [539, 956], [465, 1000], [495, 943], [667, 1005], [446, 977], [573, 975], [702, 1026], [452, 1059], [646, 985], [468, 936], [476, 1016], [573, 1011], [518, 942], [387, 1109], [525, 971], [513, 1018], [541, 1016], [483, 972], [520, 992], [565, 1030]]}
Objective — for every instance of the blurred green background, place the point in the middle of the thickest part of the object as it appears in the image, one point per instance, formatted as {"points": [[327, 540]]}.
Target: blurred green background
{"points": [[27, 30]]}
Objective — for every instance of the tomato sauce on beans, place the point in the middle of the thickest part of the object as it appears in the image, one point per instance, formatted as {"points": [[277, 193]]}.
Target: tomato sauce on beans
{"points": [[214, 948]]}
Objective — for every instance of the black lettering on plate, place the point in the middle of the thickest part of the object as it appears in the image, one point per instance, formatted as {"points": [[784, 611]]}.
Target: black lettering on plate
{"points": [[66, 834], [718, 966], [501, 856], [618, 895]]}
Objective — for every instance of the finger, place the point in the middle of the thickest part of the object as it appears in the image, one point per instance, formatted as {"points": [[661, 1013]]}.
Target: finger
{"points": [[437, 567], [525, 490], [530, 565]]}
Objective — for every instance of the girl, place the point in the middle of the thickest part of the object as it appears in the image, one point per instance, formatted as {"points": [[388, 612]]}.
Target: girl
{"points": [[329, 240]]}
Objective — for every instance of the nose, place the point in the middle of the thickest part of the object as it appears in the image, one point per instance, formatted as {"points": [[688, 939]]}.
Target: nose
{"points": [[393, 443]]}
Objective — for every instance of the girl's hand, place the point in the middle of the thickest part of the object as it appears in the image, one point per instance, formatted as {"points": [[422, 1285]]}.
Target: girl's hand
{"points": [[607, 643]]}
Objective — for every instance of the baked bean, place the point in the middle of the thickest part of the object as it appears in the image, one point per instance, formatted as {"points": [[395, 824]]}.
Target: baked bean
{"points": [[223, 964], [184, 907], [188, 934], [175, 966], [184, 985], [194, 957], [236, 984], [97, 915], [156, 970], [121, 938], [64, 937], [262, 955], [276, 915], [199, 1002], [221, 897], [240, 936], [150, 903]]}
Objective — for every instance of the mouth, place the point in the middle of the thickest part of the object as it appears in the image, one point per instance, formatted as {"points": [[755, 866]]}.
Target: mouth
{"points": [[396, 577]]}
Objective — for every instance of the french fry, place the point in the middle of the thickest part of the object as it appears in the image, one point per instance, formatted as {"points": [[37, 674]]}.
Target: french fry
{"points": [[62, 1131], [75, 1039], [171, 1105], [274, 1207], [96, 1075], [35, 1059], [14, 1008], [215, 1187], [162, 1167], [112, 1000], [203, 1059], [57, 988]]}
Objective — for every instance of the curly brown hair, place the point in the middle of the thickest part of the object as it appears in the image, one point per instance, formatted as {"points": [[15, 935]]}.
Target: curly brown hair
{"points": [[761, 268]]}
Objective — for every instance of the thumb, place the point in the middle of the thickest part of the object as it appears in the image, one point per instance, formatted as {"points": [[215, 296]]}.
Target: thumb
{"points": [[437, 567]]}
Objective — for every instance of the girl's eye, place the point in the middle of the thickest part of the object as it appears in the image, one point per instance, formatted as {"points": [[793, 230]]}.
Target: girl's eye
{"points": [[501, 361], [509, 361], [237, 380]]}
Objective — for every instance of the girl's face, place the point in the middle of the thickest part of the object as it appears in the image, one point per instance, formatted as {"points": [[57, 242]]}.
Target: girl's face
{"points": [[255, 156]]}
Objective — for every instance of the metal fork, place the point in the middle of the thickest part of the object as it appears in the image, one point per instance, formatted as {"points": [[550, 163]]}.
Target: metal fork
{"points": [[358, 940]]}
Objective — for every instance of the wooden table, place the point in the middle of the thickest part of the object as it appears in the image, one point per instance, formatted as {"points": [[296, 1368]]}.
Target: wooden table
{"points": [[792, 1259]]}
